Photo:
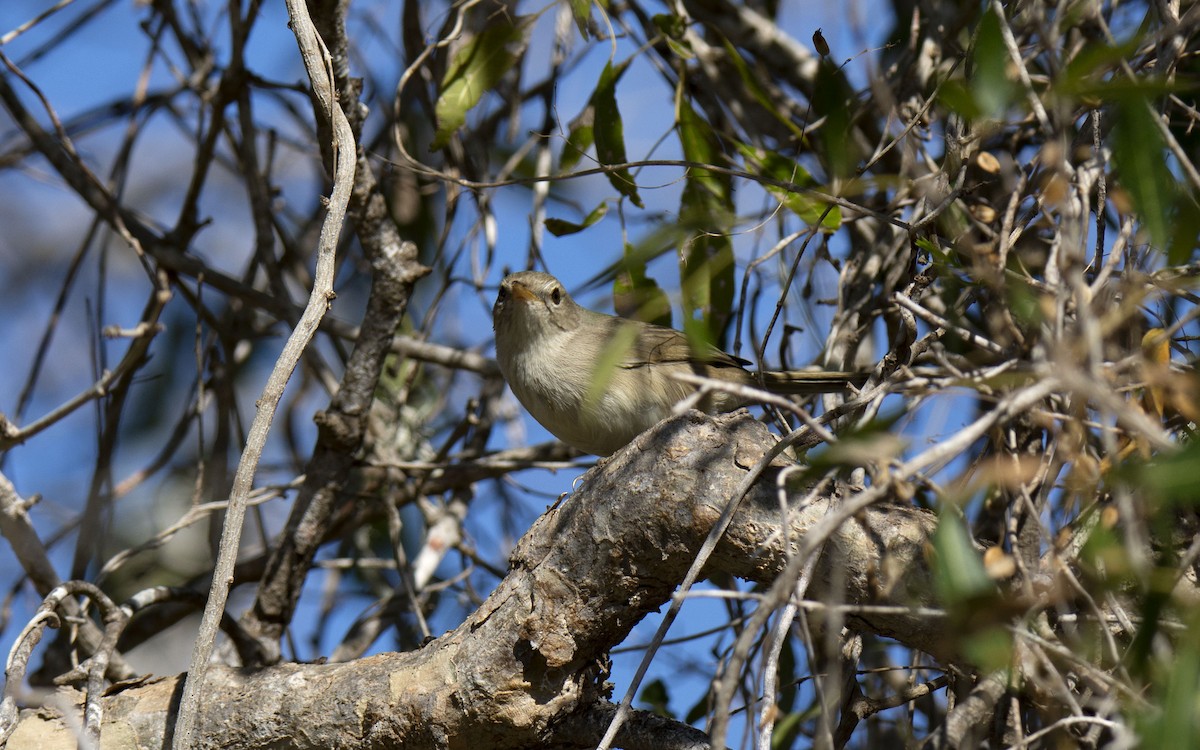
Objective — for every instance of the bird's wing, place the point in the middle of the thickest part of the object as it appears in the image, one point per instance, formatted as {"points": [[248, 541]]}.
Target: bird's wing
{"points": [[656, 345]]}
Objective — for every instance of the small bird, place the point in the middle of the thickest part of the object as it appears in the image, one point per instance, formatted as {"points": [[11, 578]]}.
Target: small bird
{"points": [[596, 381]]}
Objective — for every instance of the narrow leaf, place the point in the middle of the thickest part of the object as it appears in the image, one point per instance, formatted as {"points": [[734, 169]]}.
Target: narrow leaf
{"points": [[1142, 169], [475, 69], [655, 698], [610, 132], [580, 138], [561, 227], [833, 99], [706, 253], [582, 12], [611, 356], [959, 568], [808, 206], [1185, 239], [753, 85], [636, 295], [990, 86]]}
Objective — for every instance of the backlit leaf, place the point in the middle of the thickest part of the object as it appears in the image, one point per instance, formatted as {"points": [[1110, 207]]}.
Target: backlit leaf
{"points": [[476, 69], [959, 568], [807, 205], [1142, 168], [561, 227], [706, 253], [610, 132]]}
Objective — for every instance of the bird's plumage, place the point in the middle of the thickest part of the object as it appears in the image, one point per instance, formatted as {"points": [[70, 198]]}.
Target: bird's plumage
{"points": [[595, 381]]}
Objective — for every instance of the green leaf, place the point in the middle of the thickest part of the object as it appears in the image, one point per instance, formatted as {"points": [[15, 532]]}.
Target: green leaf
{"points": [[673, 29], [788, 689], [580, 138], [786, 728], [959, 571], [1090, 68], [990, 648], [1024, 301], [1186, 238], [1142, 168], [706, 253], [1103, 557], [877, 439], [636, 295], [1179, 715], [561, 227], [808, 206], [930, 247], [1179, 706], [670, 25], [1120, 90], [1169, 481], [610, 132], [611, 357], [700, 145], [655, 698], [956, 96], [833, 99], [475, 69], [750, 80], [991, 88], [582, 11], [1154, 607], [1169, 718], [700, 708]]}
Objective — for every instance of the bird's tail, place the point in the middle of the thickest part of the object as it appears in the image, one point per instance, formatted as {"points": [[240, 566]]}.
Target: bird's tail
{"points": [[807, 382]]}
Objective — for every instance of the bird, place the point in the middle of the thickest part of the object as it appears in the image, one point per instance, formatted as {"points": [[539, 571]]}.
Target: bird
{"points": [[596, 381]]}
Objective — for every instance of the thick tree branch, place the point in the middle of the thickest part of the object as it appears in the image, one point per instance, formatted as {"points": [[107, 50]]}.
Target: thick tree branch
{"points": [[532, 658]]}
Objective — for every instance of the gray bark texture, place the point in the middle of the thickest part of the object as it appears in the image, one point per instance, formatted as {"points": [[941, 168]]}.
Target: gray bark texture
{"points": [[528, 668]]}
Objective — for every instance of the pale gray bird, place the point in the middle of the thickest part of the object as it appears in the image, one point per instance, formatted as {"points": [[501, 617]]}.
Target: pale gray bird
{"points": [[596, 381]]}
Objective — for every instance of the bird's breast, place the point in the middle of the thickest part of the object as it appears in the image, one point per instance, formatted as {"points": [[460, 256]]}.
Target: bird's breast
{"points": [[596, 412]]}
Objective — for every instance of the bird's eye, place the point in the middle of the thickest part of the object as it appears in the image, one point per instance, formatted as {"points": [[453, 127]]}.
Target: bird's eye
{"points": [[556, 295], [502, 293]]}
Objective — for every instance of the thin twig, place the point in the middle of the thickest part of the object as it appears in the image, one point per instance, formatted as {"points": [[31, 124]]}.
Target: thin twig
{"points": [[315, 62]]}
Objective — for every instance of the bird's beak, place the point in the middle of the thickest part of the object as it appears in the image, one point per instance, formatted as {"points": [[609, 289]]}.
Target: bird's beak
{"points": [[521, 293]]}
